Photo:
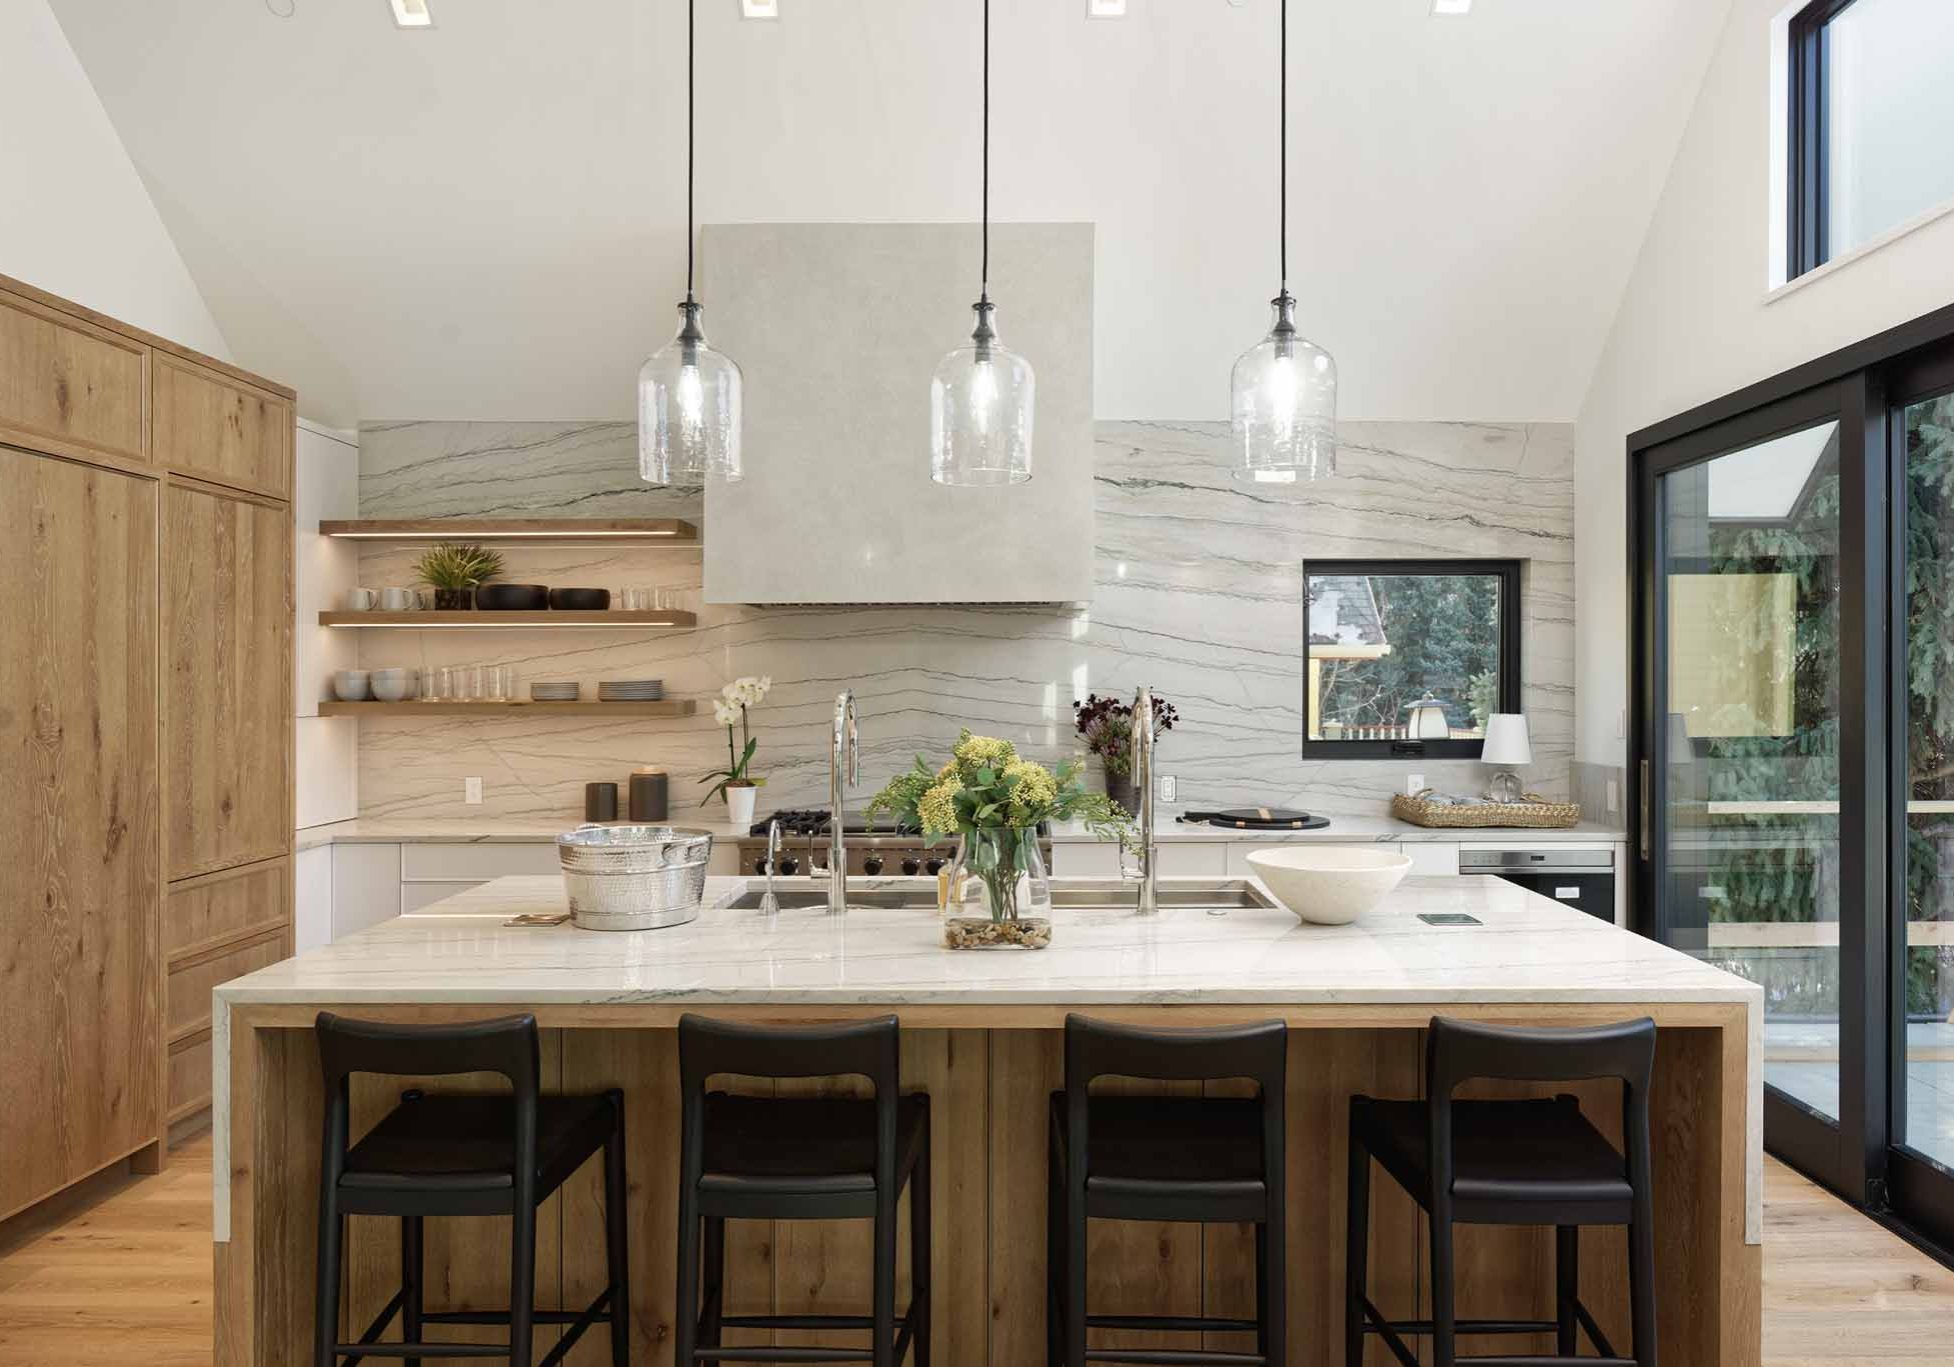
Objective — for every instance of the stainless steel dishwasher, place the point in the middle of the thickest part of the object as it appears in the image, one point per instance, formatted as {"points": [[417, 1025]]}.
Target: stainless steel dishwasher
{"points": [[1580, 878]]}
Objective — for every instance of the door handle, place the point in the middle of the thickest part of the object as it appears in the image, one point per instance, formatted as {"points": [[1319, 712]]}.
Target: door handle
{"points": [[1642, 788]]}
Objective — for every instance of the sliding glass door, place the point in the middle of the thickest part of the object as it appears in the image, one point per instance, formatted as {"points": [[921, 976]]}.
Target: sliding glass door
{"points": [[1793, 746]]}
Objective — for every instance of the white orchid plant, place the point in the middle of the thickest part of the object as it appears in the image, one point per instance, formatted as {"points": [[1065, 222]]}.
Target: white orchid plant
{"points": [[729, 710]]}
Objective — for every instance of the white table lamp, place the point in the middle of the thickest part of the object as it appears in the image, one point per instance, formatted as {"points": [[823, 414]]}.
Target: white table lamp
{"points": [[1507, 746]]}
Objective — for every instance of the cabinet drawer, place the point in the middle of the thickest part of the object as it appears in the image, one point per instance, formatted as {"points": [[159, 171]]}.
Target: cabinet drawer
{"points": [[189, 1068], [1191, 859], [202, 913], [1085, 859], [476, 863], [190, 983], [1431, 858], [66, 386], [220, 430]]}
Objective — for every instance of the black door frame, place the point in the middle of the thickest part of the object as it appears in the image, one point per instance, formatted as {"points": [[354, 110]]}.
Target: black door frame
{"points": [[1865, 385]]}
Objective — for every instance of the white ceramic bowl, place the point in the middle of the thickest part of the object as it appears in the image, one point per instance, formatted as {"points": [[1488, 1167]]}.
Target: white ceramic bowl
{"points": [[391, 685], [350, 685], [1330, 885]]}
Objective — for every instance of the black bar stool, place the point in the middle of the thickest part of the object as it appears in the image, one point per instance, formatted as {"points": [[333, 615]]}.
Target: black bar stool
{"points": [[1193, 1159], [799, 1158], [1529, 1162], [461, 1155]]}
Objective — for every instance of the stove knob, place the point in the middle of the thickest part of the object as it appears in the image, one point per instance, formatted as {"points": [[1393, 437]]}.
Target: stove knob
{"points": [[872, 865], [789, 867], [911, 867], [760, 866], [932, 867]]}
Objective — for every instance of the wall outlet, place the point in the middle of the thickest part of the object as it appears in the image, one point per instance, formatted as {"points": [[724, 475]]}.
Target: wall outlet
{"points": [[471, 791], [1414, 784], [1168, 787], [1614, 797]]}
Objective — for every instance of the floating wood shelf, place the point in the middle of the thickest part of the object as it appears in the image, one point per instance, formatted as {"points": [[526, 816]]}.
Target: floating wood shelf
{"points": [[663, 531], [601, 620], [674, 707]]}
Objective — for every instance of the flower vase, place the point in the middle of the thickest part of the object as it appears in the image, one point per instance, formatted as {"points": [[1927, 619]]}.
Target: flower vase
{"points": [[1002, 896], [1120, 788], [740, 798], [454, 600]]}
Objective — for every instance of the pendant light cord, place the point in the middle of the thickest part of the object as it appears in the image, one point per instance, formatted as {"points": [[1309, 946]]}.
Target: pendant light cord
{"points": [[985, 272], [1282, 138], [691, 15]]}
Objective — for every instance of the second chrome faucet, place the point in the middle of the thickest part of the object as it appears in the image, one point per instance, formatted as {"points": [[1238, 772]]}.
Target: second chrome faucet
{"points": [[844, 764]]}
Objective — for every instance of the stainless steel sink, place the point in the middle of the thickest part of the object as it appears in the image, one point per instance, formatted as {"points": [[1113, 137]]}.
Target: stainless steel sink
{"points": [[1106, 894]]}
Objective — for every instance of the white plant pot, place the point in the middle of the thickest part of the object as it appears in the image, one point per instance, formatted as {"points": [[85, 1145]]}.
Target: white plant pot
{"points": [[739, 805]]}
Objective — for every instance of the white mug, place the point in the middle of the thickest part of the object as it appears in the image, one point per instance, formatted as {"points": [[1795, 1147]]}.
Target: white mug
{"points": [[359, 600], [396, 600]]}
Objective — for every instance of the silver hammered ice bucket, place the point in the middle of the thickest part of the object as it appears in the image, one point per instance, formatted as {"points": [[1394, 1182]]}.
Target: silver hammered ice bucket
{"points": [[633, 877]]}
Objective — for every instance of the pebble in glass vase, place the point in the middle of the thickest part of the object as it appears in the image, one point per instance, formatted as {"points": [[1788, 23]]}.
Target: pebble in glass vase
{"points": [[1003, 895]]}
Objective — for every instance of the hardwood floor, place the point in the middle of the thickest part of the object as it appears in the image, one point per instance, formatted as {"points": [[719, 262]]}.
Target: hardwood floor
{"points": [[126, 1280]]}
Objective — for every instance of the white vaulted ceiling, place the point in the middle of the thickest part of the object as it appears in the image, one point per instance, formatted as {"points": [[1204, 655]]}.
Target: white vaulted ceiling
{"points": [[485, 220]]}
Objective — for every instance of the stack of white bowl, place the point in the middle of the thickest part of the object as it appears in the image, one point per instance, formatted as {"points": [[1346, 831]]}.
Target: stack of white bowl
{"points": [[555, 690], [391, 685]]}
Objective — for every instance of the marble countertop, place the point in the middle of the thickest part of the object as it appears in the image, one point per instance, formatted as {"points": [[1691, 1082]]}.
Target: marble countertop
{"points": [[1343, 828]]}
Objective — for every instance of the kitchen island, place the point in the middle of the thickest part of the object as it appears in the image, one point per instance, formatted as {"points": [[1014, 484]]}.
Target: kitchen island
{"points": [[982, 1033]]}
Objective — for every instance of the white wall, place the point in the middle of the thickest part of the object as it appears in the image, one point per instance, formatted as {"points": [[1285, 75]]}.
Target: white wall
{"points": [[1697, 322], [74, 216]]}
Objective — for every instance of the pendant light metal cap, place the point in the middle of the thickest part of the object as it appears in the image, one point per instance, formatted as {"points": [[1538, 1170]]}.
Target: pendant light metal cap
{"points": [[689, 402], [1284, 409]]}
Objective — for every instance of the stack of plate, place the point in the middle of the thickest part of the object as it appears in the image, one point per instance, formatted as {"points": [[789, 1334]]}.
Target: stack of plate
{"points": [[555, 691], [631, 690]]}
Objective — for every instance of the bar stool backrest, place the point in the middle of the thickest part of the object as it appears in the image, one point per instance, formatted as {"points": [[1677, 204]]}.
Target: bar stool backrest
{"points": [[1258, 1052], [870, 1049], [507, 1045], [1457, 1052]]}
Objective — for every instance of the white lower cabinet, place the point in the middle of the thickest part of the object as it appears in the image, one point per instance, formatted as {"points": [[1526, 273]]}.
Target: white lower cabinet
{"points": [[365, 886], [312, 898], [1178, 859]]}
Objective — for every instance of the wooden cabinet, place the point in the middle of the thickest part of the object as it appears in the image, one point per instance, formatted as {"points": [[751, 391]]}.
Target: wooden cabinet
{"points": [[227, 694], [217, 428], [205, 914], [79, 904], [69, 386]]}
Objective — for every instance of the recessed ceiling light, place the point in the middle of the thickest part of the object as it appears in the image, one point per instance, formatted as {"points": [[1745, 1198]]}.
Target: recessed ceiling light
{"points": [[759, 9], [1451, 7], [412, 14], [1105, 9]]}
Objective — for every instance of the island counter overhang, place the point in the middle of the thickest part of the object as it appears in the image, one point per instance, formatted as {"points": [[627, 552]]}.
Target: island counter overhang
{"points": [[981, 1034]]}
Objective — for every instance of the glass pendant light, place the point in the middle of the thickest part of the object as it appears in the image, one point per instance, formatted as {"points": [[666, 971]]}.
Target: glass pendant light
{"points": [[1285, 386], [981, 394], [688, 393]]}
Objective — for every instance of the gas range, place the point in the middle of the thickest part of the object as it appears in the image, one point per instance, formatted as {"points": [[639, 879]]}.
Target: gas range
{"points": [[874, 847]]}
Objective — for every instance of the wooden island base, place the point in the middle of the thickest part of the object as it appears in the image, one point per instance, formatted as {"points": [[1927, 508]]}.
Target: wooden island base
{"points": [[988, 1070]]}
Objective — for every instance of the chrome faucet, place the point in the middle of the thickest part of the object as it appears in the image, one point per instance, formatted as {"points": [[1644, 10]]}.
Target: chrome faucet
{"points": [[769, 904], [844, 762], [1143, 786]]}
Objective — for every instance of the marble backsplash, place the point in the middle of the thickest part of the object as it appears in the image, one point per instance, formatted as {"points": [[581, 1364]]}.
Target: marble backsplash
{"points": [[1197, 592]]}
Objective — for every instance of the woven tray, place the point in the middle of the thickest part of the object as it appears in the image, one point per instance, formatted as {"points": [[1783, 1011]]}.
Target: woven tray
{"points": [[1536, 813]]}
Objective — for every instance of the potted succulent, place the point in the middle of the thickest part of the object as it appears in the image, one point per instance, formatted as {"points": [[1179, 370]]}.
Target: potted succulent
{"points": [[735, 782], [993, 801], [1106, 724], [454, 571]]}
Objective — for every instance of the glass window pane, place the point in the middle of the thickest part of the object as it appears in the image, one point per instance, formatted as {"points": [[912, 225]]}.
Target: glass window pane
{"points": [[1889, 105], [1751, 589], [1925, 1120], [1380, 643]]}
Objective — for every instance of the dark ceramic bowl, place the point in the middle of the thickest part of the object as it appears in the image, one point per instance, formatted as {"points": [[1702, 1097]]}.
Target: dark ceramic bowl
{"points": [[580, 600], [512, 598]]}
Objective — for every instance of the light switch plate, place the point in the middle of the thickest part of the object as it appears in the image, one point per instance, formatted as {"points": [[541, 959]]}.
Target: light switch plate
{"points": [[1414, 784], [1168, 787], [1614, 797], [471, 791]]}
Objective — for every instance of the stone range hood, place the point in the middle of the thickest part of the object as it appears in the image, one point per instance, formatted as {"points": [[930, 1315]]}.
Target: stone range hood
{"points": [[837, 328]]}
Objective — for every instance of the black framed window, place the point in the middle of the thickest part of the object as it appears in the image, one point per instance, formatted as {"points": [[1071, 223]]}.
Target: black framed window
{"points": [[1867, 80], [1387, 641]]}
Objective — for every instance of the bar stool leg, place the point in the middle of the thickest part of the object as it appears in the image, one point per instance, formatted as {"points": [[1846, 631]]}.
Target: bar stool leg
{"points": [[1262, 1293], [617, 1237], [1445, 1345], [884, 1313], [325, 1318], [410, 1282], [685, 1318], [1567, 1286], [1075, 1270], [522, 1282], [1054, 1263], [1641, 1286], [1356, 1254], [920, 1251], [712, 1277], [1274, 1312]]}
